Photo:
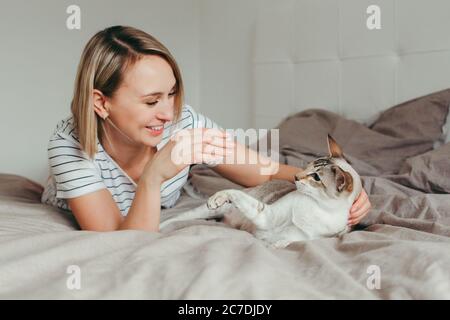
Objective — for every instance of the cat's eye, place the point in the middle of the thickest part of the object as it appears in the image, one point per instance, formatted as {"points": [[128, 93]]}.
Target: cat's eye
{"points": [[315, 176]]}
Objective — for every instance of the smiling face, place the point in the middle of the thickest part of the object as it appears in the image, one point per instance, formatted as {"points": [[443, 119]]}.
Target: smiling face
{"points": [[143, 102], [329, 177]]}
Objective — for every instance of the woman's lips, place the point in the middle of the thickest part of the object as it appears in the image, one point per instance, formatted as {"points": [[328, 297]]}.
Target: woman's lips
{"points": [[155, 130]]}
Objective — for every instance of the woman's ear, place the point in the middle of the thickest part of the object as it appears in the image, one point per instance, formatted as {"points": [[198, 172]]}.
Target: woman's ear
{"points": [[99, 101]]}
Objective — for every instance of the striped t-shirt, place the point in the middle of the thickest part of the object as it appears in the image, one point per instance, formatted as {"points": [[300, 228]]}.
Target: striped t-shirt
{"points": [[73, 174]]}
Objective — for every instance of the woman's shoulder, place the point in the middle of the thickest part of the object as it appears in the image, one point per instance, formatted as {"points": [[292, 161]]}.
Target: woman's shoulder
{"points": [[65, 129], [64, 140], [186, 119], [188, 110]]}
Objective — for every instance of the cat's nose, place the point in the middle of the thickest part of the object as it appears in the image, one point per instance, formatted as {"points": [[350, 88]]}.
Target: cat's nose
{"points": [[296, 178]]}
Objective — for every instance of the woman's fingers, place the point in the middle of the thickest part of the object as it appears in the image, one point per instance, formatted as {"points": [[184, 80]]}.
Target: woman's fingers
{"points": [[360, 213], [218, 151], [357, 216], [215, 146], [219, 142], [192, 144], [199, 134], [208, 134], [359, 201], [218, 139], [215, 137], [212, 154], [359, 208], [207, 158]]}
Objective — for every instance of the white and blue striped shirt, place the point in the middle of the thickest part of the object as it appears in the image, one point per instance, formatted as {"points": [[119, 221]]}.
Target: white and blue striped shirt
{"points": [[73, 174]]}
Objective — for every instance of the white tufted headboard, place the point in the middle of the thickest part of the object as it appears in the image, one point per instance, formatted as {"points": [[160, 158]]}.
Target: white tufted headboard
{"points": [[320, 54]]}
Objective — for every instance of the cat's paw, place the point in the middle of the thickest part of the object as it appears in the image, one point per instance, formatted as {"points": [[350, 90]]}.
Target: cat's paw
{"points": [[217, 200], [281, 244]]}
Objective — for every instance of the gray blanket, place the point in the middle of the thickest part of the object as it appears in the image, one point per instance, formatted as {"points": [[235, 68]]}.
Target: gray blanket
{"points": [[401, 250]]}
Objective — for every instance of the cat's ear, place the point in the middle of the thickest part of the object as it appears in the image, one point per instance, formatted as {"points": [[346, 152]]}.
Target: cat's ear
{"points": [[334, 149], [343, 179]]}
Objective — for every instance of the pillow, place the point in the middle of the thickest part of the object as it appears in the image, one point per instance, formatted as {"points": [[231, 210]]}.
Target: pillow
{"points": [[20, 188], [429, 172], [21, 210], [446, 128], [421, 118], [402, 131]]}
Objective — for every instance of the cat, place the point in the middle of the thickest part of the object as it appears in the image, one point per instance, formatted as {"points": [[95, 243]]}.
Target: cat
{"points": [[318, 208]]}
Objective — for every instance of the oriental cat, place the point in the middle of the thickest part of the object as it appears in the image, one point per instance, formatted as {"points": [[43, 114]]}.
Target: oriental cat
{"points": [[318, 208]]}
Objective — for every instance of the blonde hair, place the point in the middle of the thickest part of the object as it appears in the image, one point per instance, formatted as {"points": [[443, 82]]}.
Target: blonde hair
{"points": [[105, 59]]}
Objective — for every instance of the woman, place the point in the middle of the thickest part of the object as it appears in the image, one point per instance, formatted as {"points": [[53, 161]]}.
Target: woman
{"points": [[110, 161]]}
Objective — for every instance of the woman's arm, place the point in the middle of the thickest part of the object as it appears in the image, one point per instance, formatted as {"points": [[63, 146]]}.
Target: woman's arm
{"points": [[144, 213], [257, 169], [97, 211]]}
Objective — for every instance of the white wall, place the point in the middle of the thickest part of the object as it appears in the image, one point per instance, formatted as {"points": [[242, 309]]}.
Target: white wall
{"points": [[39, 57], [226, 42], [322, 55]]}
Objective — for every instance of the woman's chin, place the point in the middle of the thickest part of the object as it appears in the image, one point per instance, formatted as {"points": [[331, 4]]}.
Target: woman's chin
{"points": [[152, 141]]}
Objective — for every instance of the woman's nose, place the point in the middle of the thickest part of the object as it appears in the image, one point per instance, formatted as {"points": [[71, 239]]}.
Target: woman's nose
{"points": [[166, 112]]}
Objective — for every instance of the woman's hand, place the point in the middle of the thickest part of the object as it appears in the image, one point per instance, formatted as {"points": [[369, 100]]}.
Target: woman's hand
{"points": [[189, 146], [359, 209]]}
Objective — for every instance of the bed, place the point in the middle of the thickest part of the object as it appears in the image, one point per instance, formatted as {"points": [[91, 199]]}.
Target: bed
{"points": [[404, 241], [383, 96]]}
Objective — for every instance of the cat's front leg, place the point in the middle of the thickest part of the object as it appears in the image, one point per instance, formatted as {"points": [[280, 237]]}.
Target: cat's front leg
{"points": [[219, 199], [201, 212], [242, 201], [280, 244], [251, 208]]}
